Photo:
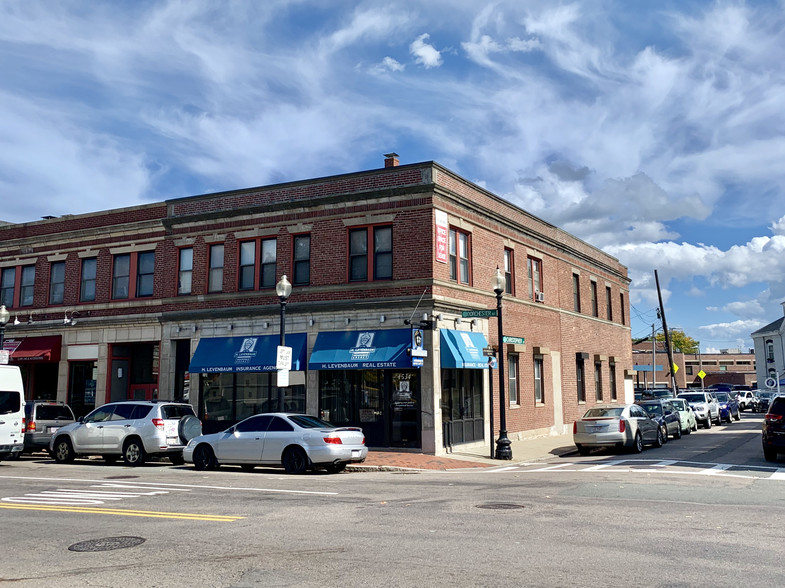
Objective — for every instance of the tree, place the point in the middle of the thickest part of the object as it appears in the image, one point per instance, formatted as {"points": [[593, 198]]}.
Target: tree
{"points": [[681, 341]]}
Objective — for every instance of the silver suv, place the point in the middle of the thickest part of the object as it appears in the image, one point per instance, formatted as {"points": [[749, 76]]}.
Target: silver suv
{"points": [[705, 407], [44, 419], [133, 430]]}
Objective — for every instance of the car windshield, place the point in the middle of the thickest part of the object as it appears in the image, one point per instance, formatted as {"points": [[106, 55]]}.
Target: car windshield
{"points": [[594, 413], [653, 409], [51, 412], [310, 422], [679, 404], [693, 397], [722, 396]]}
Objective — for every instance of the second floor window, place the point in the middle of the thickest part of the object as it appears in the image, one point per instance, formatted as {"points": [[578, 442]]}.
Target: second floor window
{"points": [[121, 276], [576, 292], [609, 302], [27, 286], [302, 259], [595, 311], [581, 385], [247, 265], [598, 381], [186, 271], [57, 282], [215, 278], [534, 275], [145, 274], [621, 306], [7, 284], [612, 381], [87, 281], [361, 264], [269, 260], [459, 256], [508, 272]]}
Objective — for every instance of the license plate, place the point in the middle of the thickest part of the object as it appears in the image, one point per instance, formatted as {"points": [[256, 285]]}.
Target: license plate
{"points": [[595, 429], [173, 440], [355, 453], [51, 429]]}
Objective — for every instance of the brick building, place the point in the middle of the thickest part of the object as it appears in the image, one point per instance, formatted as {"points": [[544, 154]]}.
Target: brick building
{"points": [[177, 300]]}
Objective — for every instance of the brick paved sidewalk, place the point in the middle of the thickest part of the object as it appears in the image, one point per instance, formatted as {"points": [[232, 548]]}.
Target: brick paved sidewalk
{"points": [[393, 460]]}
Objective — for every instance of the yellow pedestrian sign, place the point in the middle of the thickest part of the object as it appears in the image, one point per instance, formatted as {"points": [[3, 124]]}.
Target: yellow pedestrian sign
{"points": [[701, 374], [675, 368]]}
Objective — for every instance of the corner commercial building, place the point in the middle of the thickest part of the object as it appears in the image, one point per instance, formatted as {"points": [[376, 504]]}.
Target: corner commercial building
{"points": [[176, 300]]}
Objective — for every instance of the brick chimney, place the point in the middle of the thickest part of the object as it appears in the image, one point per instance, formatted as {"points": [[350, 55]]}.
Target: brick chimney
{"points": [[390, 160]]}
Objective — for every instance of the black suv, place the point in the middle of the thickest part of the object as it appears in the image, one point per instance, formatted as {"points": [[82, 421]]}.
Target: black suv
{"points": [[774, 429], [42, 419]]}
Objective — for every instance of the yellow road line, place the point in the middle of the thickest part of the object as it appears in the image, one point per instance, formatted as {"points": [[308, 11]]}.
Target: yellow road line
{"points": [[127, 513]]}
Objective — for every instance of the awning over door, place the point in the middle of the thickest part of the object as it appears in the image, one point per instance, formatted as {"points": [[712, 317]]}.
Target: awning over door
{"points": [[359, 350], [463, 350], [246, 354], [34, 349]]}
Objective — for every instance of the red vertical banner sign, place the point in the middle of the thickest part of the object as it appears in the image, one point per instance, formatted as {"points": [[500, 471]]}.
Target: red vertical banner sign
{"points": [[441, 236]]}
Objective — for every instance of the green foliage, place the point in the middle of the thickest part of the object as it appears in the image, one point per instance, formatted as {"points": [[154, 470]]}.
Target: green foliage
{"points": [[681, 341]]}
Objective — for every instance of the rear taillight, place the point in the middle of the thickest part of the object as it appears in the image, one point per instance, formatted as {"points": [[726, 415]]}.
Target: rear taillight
{"points": [[333, 440], [622, 426], [773, 418], [30, 425], [574, 427], [159, 423], [24, 425]]}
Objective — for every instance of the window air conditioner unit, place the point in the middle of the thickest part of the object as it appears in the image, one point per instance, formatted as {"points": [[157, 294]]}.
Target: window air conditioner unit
{"points": [[539, 297]]}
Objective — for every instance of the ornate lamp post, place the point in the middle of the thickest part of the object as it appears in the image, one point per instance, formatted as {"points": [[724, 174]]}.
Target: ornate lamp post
{"points": [[5, 316], [283, 289], [503, 449]]}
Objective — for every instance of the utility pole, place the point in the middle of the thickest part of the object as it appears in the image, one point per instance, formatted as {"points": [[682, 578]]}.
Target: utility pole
{"points": [[653, 358], [674, 387]]}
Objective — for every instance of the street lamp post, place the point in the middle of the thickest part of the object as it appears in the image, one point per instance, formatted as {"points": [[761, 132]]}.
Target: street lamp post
{"points": [[283, 289], [5, 316], [503, 449]]}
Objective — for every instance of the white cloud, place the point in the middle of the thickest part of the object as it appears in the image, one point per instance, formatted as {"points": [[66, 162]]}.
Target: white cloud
{"points": [[732, 330], [424, 53], [388, 64]]}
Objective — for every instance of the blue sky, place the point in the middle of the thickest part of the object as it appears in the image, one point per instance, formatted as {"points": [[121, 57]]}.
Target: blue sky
{"points": [[653, 130]]}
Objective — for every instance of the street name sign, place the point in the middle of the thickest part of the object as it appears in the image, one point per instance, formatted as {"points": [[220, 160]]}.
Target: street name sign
{"points": [[488, 351], [478, 313], [513, 340]]}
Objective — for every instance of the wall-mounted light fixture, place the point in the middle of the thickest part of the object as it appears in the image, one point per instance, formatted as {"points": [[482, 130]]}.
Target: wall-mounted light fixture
{"points": [[265, 324], [458, 320], [348, 320], [194, 328], [310, 322], [67, 320], [382, 318], [29, 319], [16, 320]]}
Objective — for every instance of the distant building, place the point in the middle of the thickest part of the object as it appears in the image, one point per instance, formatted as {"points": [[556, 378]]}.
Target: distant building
{"points": [[770, 352], [729, 366], [177, 300]]}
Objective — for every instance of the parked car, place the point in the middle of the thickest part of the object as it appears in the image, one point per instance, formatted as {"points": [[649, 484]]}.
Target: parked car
{"points": [[132, 429], [43, 419], [745, 398], [619, 426], [12, 413], [729, 407], [297, 442], [773, 429], [705, 406], [665, 414], [656, 393], [686, 416], [762, 400]]}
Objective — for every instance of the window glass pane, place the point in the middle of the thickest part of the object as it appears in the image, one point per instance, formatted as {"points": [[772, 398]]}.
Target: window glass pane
{"points": [[120, 276], [358, 242], [269, 253], [7, 286], [27, 286], [147, 262], [382, 239], [186, 259], [358, 268], [216, 276], [302, 263], [383, 266], [87, 287], [144, 276], [186, 273], [57, 282], [247, 252]]}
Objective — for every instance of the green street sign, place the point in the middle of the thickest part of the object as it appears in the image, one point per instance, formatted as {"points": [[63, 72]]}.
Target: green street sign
{"points": [[513, 340], [478, 313]]}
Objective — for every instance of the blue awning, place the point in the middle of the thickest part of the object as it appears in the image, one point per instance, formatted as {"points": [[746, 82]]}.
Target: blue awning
{"points": [[246, 354], [463, 350], [359, 350]]}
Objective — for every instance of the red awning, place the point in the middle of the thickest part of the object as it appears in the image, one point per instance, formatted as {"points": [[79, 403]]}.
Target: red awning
{"points": [[37, 349]]}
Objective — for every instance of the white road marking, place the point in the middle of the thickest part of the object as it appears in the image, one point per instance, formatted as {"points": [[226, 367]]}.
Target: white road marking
{"points": [[778, 475], [717, 469]]}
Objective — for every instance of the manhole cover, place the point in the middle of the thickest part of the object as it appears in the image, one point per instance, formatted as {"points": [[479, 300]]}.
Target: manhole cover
{"points": [[106, 544], [500, 506]]}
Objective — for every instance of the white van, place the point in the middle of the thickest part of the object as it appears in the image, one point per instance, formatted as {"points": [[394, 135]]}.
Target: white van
{"points": [[12, 411]]}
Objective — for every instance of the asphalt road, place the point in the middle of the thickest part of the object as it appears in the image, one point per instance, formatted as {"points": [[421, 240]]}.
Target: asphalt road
{"points": [[705, 510]]}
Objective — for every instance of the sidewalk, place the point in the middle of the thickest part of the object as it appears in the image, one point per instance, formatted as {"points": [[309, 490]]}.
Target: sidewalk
{"points": [[528, 450]]}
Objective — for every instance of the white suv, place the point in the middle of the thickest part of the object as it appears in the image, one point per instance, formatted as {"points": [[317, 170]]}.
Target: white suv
{"points": [[705, 407], [133, 430]]}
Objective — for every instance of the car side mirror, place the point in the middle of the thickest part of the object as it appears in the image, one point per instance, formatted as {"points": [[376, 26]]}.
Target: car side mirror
{"points": [[80, 419]]}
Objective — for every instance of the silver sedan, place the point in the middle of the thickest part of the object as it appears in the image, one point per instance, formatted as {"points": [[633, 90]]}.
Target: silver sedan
{"points": [[625, 425], [295, 441]]}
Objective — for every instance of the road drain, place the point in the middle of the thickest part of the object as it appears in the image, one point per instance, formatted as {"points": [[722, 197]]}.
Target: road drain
{"points": [[106, 544], [500, 506]]}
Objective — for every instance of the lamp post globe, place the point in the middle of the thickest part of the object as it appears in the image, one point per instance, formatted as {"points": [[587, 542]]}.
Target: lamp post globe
{"points": [[283, 289], [503, 443], [5, 316]]}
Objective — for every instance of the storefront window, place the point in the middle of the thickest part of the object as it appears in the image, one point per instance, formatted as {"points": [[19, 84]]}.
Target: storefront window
{"points": [[462, 406]]}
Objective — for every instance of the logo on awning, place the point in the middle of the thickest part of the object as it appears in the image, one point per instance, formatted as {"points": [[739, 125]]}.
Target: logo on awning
{"points": [[247, 352], [363, 349]]}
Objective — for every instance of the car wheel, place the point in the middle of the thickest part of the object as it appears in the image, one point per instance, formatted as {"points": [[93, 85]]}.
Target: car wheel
{"points": [[110, 459], [64, 451], [664, 434], [188, 428], [658, 442], [295, 461], [637, 446], [177, 459], [769, 454], [707, 424], [688, 430], [204, 458], [738, 416], [678, 432], [133, 453], [14, 456], [335, 468], [582, 449]]}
